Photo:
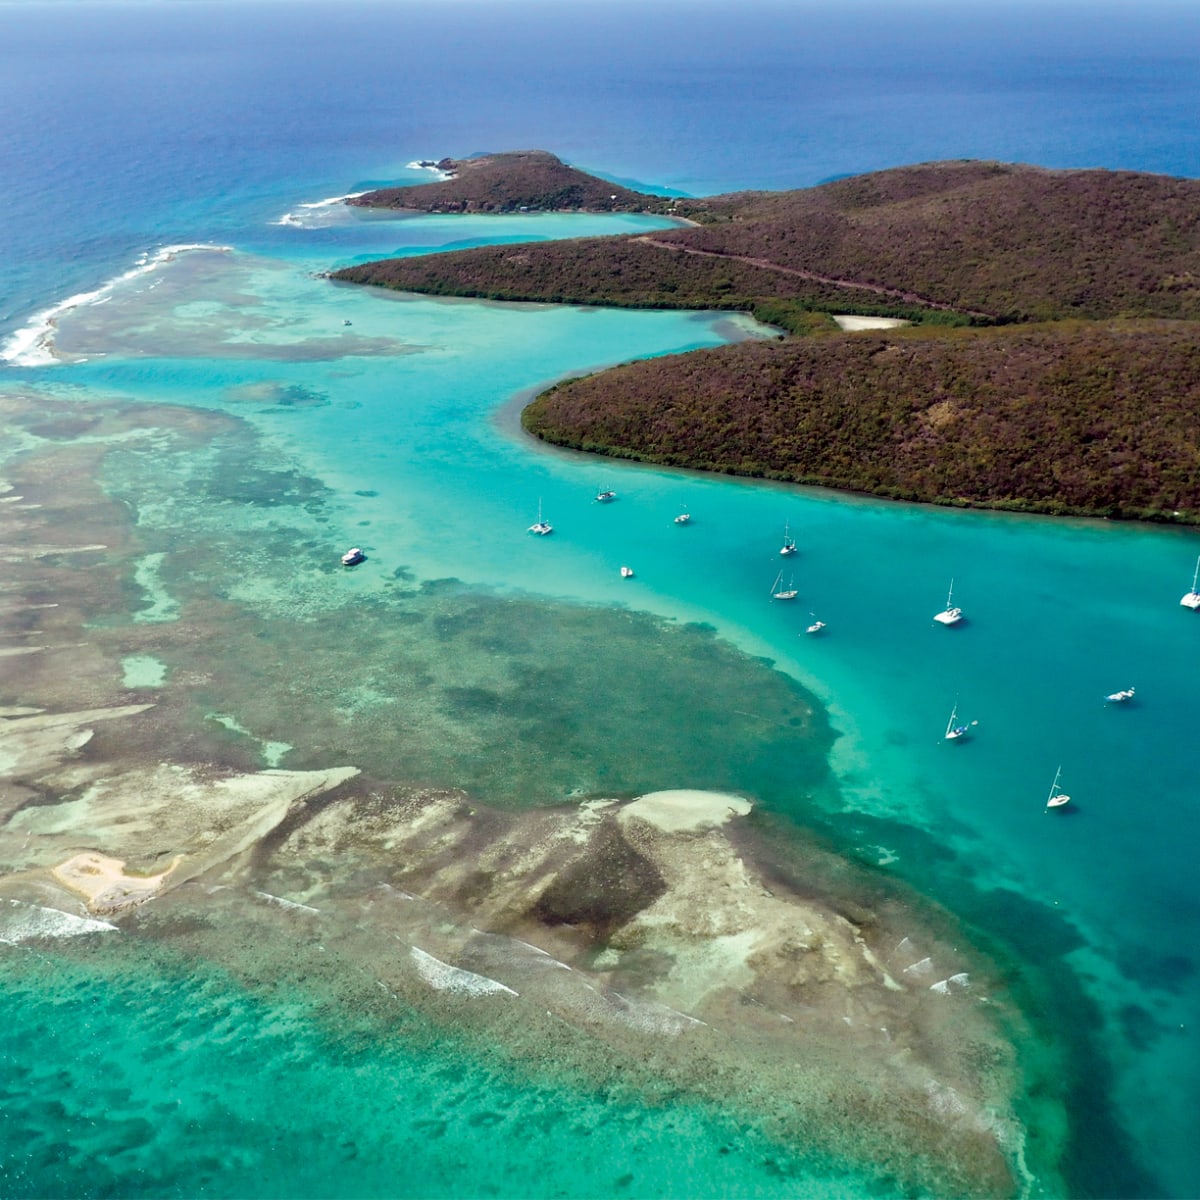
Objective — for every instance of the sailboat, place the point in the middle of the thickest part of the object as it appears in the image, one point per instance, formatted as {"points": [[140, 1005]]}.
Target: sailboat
{"points": [[1057, 797], [779, 592], [954, 731], [540, 527], [950, 615], [605, 495], [1192, 599], [789, 542]]}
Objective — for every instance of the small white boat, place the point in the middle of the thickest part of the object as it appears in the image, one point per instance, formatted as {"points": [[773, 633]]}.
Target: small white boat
{"points": [[1057, 797], [816, 625], [954, 731], [683, 518], [605, 496], [626, 572], [1121, 697], [353, 557], [789, 542], [779, 592], [541, 527], [1192, 599], [950, 615]]}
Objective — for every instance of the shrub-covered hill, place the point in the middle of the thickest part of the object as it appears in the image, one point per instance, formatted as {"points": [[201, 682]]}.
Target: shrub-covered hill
{"points": [[520, 180], [1002, 242], [627, 272], [1083, 419]]}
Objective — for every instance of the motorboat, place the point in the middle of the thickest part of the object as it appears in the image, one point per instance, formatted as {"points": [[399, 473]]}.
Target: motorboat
{"points": [[816, 626], [683, 518], [1121, 697], [626, 572], [353, 557]]}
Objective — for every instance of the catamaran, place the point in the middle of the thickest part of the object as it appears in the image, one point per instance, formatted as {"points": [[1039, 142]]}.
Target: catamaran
{"points": [[950, 615], [789, 542], [1192, 599], [954, 731], [1057, 797], [779, 592], [540, 527]]}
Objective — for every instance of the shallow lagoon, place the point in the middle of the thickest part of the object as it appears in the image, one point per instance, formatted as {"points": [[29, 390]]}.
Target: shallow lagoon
{"points": [[465, 652]]}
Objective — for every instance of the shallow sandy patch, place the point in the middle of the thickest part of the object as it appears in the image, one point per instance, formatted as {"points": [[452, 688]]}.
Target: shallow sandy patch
{"points": [[104, 883], [681, 810], [853, 324]]}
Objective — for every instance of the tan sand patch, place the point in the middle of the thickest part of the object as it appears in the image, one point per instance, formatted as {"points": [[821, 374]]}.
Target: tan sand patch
{"points": [[682, 809]]}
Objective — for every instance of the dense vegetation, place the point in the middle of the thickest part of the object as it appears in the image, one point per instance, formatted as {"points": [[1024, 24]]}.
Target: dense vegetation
{"points": [[1066, 419], [521, 180], [630, 272], [1094, 410], [1009, 243]]}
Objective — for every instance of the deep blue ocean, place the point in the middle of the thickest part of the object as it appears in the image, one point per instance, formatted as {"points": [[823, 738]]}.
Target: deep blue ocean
{"points": [[126, 128]]}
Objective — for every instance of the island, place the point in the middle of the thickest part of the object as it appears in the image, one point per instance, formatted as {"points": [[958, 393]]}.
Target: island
{"points": [[1047, 360]]}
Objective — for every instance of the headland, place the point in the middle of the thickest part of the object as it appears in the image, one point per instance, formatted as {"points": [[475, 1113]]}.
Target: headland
{"points": [[1047, 364]]}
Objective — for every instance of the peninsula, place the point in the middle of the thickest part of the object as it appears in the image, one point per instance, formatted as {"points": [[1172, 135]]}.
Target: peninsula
{"points": [[1049, 364]]}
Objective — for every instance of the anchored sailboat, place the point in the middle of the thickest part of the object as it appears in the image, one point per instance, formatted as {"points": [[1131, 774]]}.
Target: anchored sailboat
{"points": [[1057, 797], [954, 731], [789, 542], [950, 615], [1192, 599], [540, 527], [779, 592]]}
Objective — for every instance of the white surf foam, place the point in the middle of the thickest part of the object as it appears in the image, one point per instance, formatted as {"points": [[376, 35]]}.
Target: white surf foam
{"points": [[433, 168], [27, 922], [290, 904], [33, 345], [649, 1016], [956, 983], [296, 216], [445, 978]]}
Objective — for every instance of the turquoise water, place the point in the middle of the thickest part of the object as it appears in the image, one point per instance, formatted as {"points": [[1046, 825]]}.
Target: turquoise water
{"points": [[193, 1056], [406, 418]]}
